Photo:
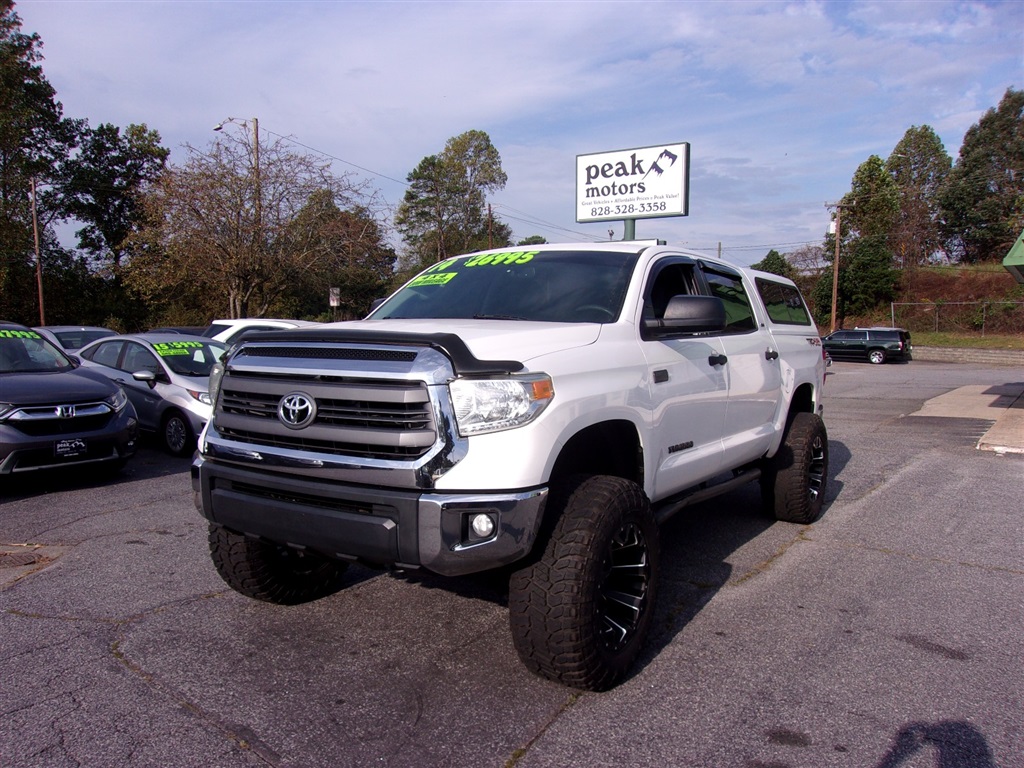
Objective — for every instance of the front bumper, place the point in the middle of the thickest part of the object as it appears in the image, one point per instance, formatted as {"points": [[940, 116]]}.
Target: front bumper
{"points": [[23, 452], [378, 526]]}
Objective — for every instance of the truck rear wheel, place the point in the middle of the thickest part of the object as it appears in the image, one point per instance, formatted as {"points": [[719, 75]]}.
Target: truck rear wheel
{"points": [[580, 612], [273, 573], [793, 484]]}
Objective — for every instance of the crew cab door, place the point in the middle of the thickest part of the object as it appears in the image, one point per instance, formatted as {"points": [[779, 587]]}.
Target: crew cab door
{"points": [[752, 369], [687, 386]]}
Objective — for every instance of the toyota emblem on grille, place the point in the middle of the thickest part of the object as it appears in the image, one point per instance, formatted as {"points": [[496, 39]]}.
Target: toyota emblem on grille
{"points": [[296, 410]]}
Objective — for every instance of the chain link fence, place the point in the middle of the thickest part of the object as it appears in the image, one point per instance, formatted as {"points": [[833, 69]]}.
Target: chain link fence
{"points": [[995, 317]]}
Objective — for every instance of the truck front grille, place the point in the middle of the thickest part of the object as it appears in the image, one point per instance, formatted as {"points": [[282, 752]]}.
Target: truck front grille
{"points": [[359, 418]]}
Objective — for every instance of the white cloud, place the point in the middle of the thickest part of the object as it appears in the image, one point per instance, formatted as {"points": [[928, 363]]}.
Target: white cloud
{"points": [[781, 101]]}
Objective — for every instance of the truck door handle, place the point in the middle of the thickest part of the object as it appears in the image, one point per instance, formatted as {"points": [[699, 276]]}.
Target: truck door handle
{"points": [[771, 354], [717, 360]]}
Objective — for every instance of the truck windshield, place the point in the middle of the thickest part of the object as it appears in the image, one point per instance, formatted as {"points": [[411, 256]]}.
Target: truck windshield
{"points": [[545, 286]]}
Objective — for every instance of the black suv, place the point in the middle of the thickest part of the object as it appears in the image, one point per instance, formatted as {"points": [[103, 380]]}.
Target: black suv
{"points": [[876, 345], [55, 413]]}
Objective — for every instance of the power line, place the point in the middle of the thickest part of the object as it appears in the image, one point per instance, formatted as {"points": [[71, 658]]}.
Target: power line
{"points": [[293, 140]]}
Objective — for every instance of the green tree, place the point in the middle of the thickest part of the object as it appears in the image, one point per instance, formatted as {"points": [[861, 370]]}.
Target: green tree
{"points": [[34, 138], [775, 263], [533, 240], [351, 254], [444, 212], [919, 164], [101, 187], [982, 200], [866, 276], [223, 234]]}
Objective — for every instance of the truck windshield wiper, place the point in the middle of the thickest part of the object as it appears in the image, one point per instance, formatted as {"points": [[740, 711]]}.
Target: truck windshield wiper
{"points": [[499, 317]]}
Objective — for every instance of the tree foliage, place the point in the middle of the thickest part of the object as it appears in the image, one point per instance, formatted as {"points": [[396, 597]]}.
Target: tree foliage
{"points": [[866, 278], [34, 138], [235, 235], [444, 212], [533, 240], [350, 254], [919, 165], [775, 263], [982, 200], [101, 187]]}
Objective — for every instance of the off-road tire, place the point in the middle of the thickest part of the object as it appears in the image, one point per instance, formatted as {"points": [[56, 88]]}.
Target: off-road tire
{"points": [[581, 609], [176, 434], [794, 481], [273, 573]]}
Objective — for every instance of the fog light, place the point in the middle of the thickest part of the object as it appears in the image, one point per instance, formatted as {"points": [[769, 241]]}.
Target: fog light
{"points": [[482, 525]]}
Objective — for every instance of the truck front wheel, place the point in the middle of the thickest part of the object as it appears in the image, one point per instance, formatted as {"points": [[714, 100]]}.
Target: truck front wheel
{"points": [[272, 573], [580, 612], [793, 483]]}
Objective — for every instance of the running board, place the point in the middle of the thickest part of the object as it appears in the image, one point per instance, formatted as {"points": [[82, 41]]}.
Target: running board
{"points": [[671, 506]]}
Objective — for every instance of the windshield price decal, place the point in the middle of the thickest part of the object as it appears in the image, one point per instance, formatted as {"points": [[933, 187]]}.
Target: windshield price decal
{"points": [[512, 257], [435, 278], [165, 348], [19, 335]]}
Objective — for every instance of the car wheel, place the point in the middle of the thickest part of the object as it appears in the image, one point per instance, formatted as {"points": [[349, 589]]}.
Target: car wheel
{"points": [[794, 481], [876, 356], [270, 572], [581, 610], [177, 434]]}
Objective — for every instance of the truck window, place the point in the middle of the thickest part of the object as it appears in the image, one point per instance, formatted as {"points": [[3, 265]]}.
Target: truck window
{"points": [[783, 302], [739, 315], [673, 279]]}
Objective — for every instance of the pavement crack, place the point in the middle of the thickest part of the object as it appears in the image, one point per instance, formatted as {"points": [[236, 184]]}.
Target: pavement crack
{"points": [[937, 560], [522, 751], [243, 737], [769, 561]]}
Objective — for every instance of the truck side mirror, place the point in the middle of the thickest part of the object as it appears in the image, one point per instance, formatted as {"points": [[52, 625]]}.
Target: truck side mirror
{"points": [[687, 314]]}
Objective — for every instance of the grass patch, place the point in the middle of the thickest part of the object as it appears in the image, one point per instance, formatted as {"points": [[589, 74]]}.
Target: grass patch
{"points": [[968, 341]]}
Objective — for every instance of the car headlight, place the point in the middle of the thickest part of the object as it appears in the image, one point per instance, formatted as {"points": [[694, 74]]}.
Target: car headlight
{"points": [[118, 400], [202, 397], [216, 374], [491, 405]]}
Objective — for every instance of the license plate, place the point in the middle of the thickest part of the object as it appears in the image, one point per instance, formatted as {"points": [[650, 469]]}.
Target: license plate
{"points": [[69, 448]]}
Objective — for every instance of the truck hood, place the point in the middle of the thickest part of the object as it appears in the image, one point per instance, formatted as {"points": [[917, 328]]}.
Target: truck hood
{"points": [[494, 339]]}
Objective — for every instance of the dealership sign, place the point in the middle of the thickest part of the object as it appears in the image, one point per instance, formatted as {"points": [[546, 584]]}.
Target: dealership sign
{"points": [[643, 183]]}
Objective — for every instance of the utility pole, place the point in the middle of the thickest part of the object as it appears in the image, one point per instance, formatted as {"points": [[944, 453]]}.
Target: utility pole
{"points": [[39, 257], [835, 261], [256, 179]]}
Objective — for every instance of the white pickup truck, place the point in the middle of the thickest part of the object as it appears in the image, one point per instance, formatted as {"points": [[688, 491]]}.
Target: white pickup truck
{"points": [[541, 410]]}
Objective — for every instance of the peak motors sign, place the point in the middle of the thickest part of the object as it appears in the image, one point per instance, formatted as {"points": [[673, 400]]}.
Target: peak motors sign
{"points": [[643, 183]]}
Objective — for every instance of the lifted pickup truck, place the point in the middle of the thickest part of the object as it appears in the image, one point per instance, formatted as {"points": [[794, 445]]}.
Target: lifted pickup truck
{"points": [[540, 409]]}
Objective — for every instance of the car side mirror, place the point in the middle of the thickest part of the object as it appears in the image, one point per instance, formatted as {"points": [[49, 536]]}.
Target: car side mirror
{"points": [[147, 376], [687, 314]]}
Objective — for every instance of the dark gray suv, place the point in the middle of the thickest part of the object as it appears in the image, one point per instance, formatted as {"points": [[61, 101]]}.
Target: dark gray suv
{"points": [[876, 345], [55, 413]]}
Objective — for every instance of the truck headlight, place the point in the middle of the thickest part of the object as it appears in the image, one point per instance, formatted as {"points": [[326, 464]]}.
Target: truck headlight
{"points": [[491, 405], [216, 374]]}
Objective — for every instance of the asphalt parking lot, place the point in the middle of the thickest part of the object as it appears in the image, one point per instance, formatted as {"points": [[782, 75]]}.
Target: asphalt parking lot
{"points": [[888, 634]]}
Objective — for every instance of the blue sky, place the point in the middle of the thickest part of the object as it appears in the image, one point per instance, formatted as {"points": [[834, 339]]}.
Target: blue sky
{"points": [[780, 101]]}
